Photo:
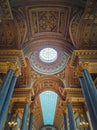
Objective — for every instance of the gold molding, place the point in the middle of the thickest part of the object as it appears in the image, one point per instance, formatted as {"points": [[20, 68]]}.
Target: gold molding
{"points": [[84, 59], [73, 95], [75, 99], [72, 90], [5, 66], [22, 94], [9, 54], [77, 53]]}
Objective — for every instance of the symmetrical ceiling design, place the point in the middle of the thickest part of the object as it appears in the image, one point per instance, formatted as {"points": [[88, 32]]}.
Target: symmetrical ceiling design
{"points": [[33, 25], [51, 83], [48, 19], [48, 68]]}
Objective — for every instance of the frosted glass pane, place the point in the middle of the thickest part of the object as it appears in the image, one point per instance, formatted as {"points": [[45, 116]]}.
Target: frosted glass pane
{"points": [[48, 55]]}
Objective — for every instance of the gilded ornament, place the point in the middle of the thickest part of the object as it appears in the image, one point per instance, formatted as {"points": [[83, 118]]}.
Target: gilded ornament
{"points": [[48, 21]]}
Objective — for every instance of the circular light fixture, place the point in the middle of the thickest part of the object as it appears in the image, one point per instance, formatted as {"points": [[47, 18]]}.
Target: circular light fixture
{"points": [[48, 55]]}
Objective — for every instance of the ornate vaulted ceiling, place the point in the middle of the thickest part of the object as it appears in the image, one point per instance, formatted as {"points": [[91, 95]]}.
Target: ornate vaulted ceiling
{"points": [[31, 25]]}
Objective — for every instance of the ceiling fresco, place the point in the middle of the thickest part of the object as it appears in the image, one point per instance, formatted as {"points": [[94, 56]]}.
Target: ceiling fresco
{"points": [[62, 25]]}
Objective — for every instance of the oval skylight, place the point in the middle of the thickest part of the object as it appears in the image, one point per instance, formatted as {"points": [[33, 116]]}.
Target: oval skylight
{"points": [[48, 55]]}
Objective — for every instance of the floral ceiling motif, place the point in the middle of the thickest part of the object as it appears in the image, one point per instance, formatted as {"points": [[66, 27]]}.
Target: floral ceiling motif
{"points": [[48, 21], [45, 20], [48, 68]]}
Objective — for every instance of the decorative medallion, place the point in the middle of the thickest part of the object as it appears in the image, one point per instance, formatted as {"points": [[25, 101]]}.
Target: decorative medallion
{"points": [[48, 60]]}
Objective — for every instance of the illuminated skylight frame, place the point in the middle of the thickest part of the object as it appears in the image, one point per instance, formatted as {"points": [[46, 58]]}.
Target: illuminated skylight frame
{"points": [[48, 55], [48, 101]]}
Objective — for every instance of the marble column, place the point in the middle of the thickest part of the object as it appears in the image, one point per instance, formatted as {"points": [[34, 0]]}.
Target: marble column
{"points": [[25, 117], [4, 111], [65, 122], [9, 116], [89, 103], [30, 121], [89, 120], [4, 87], [71, 117], [90, 88]]}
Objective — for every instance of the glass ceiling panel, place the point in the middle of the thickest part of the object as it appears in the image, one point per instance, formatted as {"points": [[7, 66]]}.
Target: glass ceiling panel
{"points": [[48, 55], [48, 101]]}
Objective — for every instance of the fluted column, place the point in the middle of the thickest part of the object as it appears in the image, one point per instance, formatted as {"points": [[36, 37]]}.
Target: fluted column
{"points": [[65, 122], [89, 103], [71, 117], [25, 116], [4, 111], [30, 121], [90, 87], [5, 86]]}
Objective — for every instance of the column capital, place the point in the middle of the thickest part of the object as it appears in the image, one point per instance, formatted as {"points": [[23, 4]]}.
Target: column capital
{"points": [[15, 67], [28, 100], [5, 66], [17, 72], [80, 67]]}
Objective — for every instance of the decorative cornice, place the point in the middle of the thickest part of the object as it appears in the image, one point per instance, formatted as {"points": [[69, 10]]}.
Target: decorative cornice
{"points": [[9, 54], [75, 96], [72, 90], [23, 92], [78, 53], [77, 106], [5, 66], [84, 59]]}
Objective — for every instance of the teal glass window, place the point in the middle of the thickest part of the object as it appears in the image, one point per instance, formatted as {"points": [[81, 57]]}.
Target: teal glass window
{"points": [[48, 101]]}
